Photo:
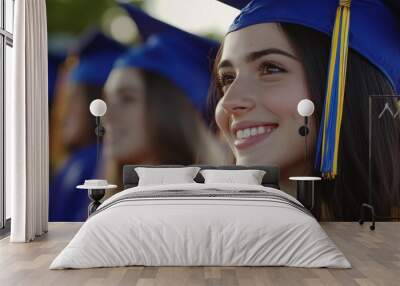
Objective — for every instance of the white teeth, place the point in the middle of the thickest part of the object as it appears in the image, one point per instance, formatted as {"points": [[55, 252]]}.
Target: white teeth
{"points": [[248, 132]]}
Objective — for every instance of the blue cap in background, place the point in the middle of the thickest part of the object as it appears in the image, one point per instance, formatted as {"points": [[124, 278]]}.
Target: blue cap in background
{"points": [[96, 53], [182, 57]]}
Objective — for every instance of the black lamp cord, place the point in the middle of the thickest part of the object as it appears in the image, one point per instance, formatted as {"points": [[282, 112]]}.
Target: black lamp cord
{"points": [[99, 131], [303, 131], [305, 139]]}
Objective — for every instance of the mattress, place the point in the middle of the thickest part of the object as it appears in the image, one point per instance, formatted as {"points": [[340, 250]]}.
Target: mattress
{"points": [[201, 225]]}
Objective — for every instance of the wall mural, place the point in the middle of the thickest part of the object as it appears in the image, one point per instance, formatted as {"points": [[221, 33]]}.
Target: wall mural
{"points": [[179, 97]]}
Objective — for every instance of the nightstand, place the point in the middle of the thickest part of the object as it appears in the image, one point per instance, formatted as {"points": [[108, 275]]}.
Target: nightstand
{"points": [[96, 190], [305, 190]]}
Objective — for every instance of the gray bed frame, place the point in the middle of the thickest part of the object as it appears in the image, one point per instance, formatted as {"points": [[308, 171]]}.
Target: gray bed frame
{"points": [[271, 178]]}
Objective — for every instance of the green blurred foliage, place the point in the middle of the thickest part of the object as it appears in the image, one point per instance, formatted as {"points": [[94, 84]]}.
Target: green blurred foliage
{"points": [[214, 36], [74, 16]]}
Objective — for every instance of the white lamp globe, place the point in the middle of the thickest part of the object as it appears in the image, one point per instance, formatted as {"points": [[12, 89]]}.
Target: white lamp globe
{"points": [[98, 107], [305, 107]]}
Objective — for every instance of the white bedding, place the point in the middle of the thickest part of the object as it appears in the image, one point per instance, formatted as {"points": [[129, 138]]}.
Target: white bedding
{"points": [[200, 231]]}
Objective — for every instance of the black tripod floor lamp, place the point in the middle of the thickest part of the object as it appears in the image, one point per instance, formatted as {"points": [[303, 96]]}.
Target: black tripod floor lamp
{"points": [[386, 111]]}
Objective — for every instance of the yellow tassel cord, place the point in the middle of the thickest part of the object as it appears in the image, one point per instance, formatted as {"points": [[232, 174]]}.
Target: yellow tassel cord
{"points": [[333, 109]]}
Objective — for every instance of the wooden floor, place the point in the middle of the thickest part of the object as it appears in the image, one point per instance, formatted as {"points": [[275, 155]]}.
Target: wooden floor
{"points": [[375, 257]]}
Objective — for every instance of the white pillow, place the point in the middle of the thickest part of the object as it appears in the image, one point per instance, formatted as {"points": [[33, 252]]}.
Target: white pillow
{"points": [[248, 177], [162, 176]]}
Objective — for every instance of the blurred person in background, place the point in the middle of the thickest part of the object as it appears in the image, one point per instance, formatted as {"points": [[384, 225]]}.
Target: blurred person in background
{"points": [[156, 94], [95, 56], [55, 61]]}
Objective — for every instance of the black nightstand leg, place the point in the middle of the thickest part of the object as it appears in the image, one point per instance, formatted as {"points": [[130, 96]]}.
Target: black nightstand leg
{"points": [[305, 193], [95, 196]]}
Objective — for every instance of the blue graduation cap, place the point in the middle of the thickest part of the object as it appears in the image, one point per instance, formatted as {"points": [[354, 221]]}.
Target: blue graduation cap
{"points": [[373, 30], [97, 54], [182, 57]]}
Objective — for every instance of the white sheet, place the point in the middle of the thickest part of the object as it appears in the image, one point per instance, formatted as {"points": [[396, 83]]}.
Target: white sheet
{"points": [[200, 231]]}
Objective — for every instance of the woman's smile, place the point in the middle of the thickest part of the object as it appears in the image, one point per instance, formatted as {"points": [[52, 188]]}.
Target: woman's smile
{"points": [[249, 133]]}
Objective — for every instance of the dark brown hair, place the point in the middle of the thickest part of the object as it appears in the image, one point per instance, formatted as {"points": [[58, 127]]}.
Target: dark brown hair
{"points": [[173, 122], [341, 198]]}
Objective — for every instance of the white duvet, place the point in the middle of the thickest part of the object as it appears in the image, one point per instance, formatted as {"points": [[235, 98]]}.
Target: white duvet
{"points": [[200, 231]]}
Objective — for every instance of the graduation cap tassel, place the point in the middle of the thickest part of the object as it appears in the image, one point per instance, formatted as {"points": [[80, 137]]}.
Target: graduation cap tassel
{"points": [[328, 139]]}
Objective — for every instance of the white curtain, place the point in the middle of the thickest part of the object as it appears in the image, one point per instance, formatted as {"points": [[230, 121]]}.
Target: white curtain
{"points": [[27, 155]]}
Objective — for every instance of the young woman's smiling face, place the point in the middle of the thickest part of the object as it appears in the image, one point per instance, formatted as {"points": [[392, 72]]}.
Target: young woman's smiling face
{"points": [[262, 81]]}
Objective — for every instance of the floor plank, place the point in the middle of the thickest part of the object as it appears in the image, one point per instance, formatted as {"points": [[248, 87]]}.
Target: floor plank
{"points": [[375, 257]]}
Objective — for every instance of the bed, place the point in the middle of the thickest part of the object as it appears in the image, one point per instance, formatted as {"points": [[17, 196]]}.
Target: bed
{"points": [[201, 224]]}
